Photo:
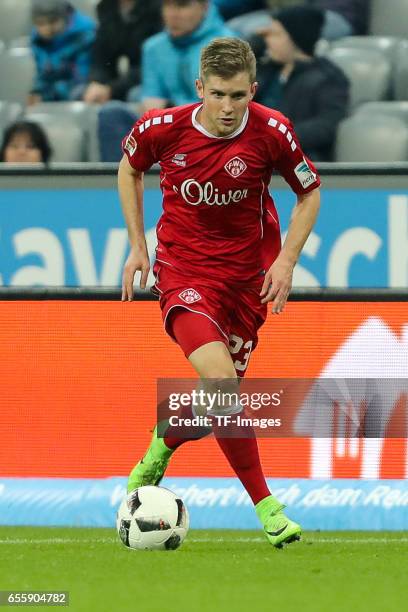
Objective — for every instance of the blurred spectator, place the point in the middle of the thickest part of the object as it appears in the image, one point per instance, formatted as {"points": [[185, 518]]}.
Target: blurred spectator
{"points": [[248, 24], [25, 142], [170, 60], [123, 26], [170, 64], [310, 90], [343, 17], [233, 8], [61, 42]]}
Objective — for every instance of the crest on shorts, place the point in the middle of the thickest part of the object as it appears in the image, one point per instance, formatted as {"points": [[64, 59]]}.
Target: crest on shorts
{"points": [[131, 144], [189, 296], [235, 167]]}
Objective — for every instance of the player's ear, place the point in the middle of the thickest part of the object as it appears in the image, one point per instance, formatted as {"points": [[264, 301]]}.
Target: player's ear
{"points": [[199, 88], [254, 89]]}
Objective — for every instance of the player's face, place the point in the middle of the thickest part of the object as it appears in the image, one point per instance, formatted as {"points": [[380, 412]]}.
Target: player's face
{"points": [[279, 44], [224, 102], [182, 20], [21, 150]]}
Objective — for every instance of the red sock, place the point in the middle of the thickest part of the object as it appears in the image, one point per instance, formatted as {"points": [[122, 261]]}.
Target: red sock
{"points": [[243, 457]]}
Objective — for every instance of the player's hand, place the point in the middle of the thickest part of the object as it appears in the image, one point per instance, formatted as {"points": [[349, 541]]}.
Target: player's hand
{"points": [[97, 93], [33, 99], [277, 284], [138, 261]]}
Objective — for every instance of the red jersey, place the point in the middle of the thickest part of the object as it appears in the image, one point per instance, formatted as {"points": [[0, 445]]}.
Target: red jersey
{"points": [[217, 210]]}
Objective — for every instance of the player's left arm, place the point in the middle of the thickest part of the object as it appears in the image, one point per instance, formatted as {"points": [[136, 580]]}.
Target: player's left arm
{"points": [[301, 175], [278, 279]]}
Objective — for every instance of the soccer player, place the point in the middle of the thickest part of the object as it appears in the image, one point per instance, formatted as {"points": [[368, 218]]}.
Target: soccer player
{"points": [[219, 259]]}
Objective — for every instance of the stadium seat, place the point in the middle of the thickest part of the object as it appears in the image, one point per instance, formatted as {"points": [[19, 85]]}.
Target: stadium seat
{"points": [[322, 47], [88, 7], [368, 70], [93, 148], [9, 113], [372, 138], [247, 25], [400, 75], [388, 108], [384, 44], [75, 110], [16, 74], [15, 19], [66, 137], [76, 113], [389, 17], [22, 42]]}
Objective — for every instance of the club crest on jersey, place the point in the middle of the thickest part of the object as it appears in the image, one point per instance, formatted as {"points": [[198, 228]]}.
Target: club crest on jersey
{"points": [[131, 144], [235, 167], [189, 296]]}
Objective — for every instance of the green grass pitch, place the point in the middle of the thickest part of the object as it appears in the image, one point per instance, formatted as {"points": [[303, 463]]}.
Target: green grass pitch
{"points": [[213, 570]]}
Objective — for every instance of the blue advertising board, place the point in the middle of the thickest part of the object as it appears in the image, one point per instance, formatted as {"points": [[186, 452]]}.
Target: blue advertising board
{"points": [[213, 503], [77, 237]]}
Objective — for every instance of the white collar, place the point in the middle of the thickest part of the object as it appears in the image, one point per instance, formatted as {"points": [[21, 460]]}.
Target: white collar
{"points": [[202, 129]]}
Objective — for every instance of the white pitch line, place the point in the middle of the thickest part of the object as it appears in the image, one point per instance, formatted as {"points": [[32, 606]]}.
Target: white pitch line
{"points": [[356, 540], [57, 541], [305, 539], [25, 541]]}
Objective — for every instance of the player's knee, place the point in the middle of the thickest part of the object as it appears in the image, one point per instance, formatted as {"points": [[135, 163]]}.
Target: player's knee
{"points": [[225, 395], [224, 380], [221, 372]]}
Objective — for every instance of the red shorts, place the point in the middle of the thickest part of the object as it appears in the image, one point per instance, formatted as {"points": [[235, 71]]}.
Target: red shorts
{"points": [[228, 314]]}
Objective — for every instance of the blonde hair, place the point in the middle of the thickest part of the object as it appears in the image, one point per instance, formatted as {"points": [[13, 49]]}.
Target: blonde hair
{"points": [[226, 57]]}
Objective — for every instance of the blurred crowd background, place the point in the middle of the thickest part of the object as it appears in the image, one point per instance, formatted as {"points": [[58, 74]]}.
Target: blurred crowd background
{"points": [[75, 75]]}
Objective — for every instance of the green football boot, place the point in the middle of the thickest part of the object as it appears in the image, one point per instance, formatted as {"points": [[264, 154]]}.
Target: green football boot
{"points": [[150, 470], [277, 527]]}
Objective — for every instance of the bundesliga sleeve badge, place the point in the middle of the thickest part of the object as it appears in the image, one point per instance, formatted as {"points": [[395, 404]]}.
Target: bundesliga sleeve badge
{"points": [[305, 174]]}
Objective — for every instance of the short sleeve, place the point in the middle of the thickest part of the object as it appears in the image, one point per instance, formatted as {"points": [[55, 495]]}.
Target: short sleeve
{"points": [[139, 145], [297, 170]]}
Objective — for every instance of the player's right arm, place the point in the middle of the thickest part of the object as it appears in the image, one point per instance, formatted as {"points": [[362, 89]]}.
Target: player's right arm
{"points": [[141, 150], [130, 183]]}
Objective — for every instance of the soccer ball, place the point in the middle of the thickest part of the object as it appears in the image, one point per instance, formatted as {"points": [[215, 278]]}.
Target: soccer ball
{"points": [[152, 518]]}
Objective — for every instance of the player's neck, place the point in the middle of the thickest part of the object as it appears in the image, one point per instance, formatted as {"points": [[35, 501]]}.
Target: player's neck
{"points": [[203, 121], [199, 117]]}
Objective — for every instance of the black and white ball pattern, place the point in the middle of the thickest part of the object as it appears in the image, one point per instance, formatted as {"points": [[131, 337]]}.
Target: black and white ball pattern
{"points": [[152, 518]]}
